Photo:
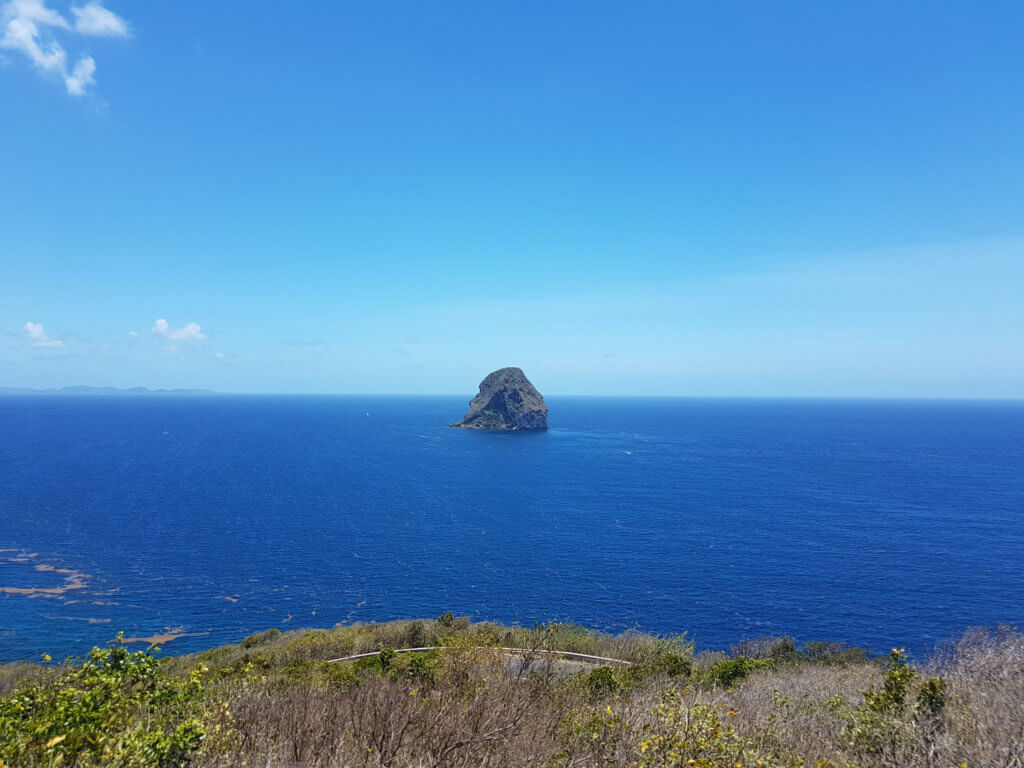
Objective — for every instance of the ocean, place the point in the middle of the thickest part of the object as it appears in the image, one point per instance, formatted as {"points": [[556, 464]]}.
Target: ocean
{"points": [[201, 520]]}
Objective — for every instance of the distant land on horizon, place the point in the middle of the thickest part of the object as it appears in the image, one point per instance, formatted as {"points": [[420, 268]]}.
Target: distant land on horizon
{"points": [[84, 390]]}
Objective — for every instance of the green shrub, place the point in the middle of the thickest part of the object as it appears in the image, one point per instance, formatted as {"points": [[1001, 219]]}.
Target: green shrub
{"points": [[726, 673], [876, 729], [671, 665], [688, 733], [833, 653], [245, 666], [116, 709], [674, 665], [310, 673], [420, 668], [298, 669], [260, 638], [931, 696], [367, 665], [602, 683], [415, 635], [338, 674], [590, 737]]}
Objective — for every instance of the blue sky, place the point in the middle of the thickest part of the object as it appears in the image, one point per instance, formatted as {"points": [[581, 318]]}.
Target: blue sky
{"points": [[669, 198]]}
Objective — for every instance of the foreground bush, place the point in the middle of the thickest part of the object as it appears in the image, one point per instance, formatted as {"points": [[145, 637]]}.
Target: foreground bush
{"points": [[115, 709]]}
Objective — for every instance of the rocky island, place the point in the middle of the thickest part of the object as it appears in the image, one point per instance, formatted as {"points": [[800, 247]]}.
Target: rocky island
{"points": [[507, 400]]}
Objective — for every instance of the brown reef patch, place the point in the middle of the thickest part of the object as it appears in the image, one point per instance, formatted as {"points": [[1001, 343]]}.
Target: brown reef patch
{"points": [[77, 618], [169, 634], [73, 580]]}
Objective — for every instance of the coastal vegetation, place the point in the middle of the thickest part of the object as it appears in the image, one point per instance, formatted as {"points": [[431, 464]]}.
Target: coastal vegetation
{"points": [[277, 699]]}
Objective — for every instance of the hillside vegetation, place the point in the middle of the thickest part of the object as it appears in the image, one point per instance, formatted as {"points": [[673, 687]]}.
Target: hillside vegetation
{"points": [[274, 700]]}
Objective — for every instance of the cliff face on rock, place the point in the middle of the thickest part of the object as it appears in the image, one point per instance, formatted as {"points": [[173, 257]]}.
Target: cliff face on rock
{"points": [[507, 400]]}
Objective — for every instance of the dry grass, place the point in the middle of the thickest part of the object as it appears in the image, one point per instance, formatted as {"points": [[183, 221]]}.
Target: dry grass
{"points": [[787, 710], [18, 673], [983, 724], [387, 723]]}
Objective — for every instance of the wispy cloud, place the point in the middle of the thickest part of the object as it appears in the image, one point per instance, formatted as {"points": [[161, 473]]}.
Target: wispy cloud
{"points": [[36, 336], [30, 26], [188, 332], [81, 76], [93, 19]]}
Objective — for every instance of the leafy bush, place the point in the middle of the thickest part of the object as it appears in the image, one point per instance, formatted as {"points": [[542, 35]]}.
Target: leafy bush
{"points": [[367, 665], [688, 734], [384, 657], [415, 636], [726, 673], [591, 737], [116, 709], [602, 683], [876, 728], [260, 638], [673, 665], [421, 668], [833, 653], [931, 697]]}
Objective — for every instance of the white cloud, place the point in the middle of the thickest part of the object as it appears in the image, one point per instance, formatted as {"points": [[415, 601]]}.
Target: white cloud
{"points": [[36, 336], [81, 76], [188, 332], [93, 19], [21, 20], [133, 335], [34, 12], [28, 26]]}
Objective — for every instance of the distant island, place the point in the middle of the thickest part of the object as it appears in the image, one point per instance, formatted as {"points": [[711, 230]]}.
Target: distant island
{"points": [[507, 400], [105, 391]]}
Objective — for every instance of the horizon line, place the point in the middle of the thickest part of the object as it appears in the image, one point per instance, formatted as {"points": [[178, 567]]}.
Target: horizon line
{"points": [[110, 391]]}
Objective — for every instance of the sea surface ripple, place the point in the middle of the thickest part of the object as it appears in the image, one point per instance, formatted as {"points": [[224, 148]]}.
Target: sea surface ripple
{"points": [[197, 521]]}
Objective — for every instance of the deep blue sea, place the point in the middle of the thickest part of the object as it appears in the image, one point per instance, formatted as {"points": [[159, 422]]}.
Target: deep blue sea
{"points": [[877, 523]]}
